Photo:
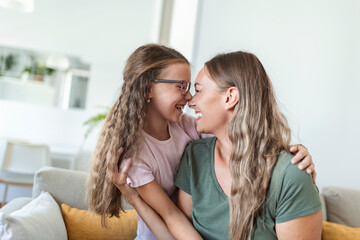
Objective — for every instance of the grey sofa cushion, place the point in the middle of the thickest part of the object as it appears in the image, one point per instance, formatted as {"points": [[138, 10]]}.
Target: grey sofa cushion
{"points": [[342, 205], [66, 186]]}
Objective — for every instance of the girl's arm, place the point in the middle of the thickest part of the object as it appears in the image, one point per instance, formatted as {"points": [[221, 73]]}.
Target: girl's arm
{"points": [[185, 204], [301, 152], [178, 224], [304, 228], [150, 217]]}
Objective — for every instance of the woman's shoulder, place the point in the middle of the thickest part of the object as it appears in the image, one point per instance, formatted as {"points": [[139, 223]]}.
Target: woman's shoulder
{"points": [[287, 176], [284, 161], [292, 193], [201, 143], [284, 167], [200, 150]]}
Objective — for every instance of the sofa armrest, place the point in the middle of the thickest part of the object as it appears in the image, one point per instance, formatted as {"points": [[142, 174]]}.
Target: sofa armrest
{"points": [[66, 186], [342, 205], [15, 204], [323, 203]]}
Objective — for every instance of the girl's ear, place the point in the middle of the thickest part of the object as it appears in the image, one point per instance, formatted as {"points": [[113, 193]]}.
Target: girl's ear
{"points": [[151, 92], [232, 98]]}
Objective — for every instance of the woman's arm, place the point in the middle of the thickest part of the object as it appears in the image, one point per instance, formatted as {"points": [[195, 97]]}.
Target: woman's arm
{"points": [[298, 212], [150, 217], [178, 224], [302, 228]]}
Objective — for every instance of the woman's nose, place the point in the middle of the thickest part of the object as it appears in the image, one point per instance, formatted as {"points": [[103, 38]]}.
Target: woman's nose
{"points": [[191, 103]]}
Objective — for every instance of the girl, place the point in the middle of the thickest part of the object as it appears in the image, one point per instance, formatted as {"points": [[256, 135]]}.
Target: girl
{"points": [[147, 121]]}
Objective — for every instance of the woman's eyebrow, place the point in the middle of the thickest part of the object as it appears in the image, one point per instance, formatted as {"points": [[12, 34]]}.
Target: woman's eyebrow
{"points": [[197, 84]]}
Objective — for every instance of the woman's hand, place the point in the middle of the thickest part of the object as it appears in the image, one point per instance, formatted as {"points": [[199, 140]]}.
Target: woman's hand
{"points": [[303, 155], [119, 179]]}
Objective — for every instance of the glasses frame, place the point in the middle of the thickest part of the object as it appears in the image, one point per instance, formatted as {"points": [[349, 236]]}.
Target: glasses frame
{"points": [[182, 90]]}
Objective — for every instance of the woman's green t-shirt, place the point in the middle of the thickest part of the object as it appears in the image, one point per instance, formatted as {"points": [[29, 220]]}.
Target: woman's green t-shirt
{"points": [[291, 193]]}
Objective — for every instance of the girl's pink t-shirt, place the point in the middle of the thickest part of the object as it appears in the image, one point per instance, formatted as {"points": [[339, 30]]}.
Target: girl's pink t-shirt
{"points": [[159, 161]]}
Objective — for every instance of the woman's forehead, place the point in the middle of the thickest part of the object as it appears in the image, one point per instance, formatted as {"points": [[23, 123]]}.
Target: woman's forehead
{"points": [[202, 77]]}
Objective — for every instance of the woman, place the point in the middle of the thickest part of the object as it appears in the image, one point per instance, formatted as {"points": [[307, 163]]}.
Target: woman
{"points": [[248, 160]]}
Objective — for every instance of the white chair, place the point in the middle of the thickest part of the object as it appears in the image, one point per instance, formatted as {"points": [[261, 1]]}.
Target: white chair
{"points": [[19, 162]]}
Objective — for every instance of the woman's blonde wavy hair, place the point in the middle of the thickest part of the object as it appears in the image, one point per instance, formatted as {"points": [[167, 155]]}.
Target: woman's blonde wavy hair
{"points": [[258, 132], [123, 125]]}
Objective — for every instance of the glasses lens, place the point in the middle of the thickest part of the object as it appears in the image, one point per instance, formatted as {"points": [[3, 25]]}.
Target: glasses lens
{"points": [[185, 86]]}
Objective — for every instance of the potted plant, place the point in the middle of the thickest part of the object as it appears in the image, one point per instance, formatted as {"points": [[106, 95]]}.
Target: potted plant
{"points": [[39, 72], [10, 62], [1, 63], [94, 121]]}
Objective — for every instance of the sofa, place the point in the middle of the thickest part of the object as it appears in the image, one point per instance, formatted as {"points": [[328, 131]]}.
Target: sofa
{"points": [[341, 207], [67, 191], [341, 213]]}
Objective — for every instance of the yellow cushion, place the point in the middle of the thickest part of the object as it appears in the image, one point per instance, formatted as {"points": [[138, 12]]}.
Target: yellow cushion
{"points": [[81, 224], [335, 231]]}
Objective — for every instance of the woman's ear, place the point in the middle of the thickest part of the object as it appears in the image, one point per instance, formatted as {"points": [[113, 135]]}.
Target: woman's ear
{"points": [[232, 98]]}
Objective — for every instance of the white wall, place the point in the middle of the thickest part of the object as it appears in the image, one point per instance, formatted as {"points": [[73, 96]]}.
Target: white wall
{"points": [[103, 33], [311, 50], [183, 25]]}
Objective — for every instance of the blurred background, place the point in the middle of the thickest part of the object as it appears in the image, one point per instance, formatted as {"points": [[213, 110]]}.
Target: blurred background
{"points": [[61, 63]]}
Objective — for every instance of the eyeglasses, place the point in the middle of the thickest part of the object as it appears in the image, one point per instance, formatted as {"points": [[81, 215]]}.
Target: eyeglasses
{"points": [[184, 87]]}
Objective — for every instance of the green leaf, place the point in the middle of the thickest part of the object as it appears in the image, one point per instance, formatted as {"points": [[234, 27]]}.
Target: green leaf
{"points": [[93, 123]]}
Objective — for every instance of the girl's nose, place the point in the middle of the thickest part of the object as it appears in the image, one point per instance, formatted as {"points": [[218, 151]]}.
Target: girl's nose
{"points": [[188, 96]]}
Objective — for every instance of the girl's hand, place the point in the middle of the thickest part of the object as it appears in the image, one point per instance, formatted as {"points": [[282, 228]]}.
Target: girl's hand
{"points": [[119, 179], [150, 217], [303, 155]]}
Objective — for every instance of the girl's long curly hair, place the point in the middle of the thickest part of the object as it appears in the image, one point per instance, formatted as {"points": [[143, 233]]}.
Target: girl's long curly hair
{"points": [[123, 125], [258, 132]]}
